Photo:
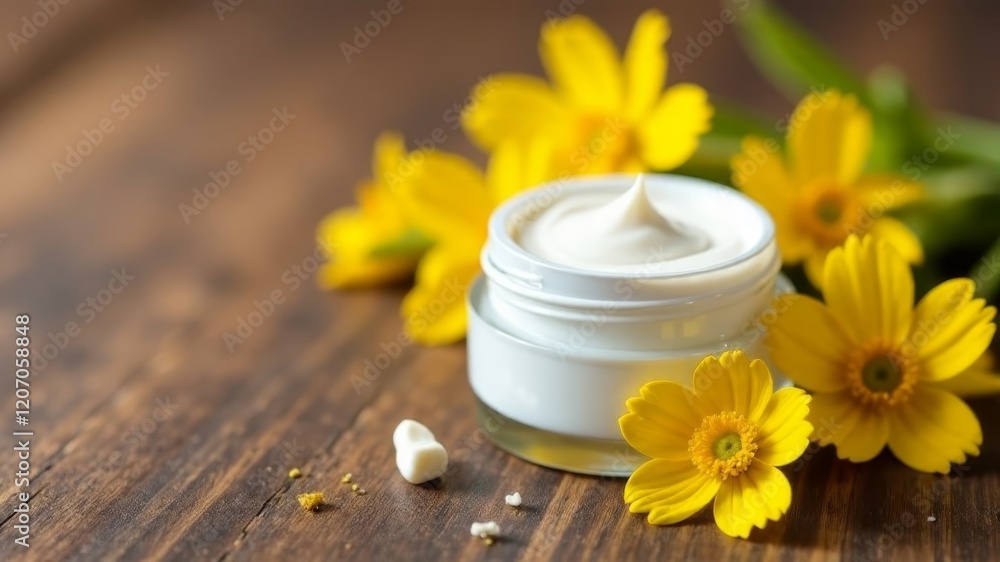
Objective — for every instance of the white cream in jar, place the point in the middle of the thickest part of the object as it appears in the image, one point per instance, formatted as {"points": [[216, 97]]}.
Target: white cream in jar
{"points": [[595, 286]]}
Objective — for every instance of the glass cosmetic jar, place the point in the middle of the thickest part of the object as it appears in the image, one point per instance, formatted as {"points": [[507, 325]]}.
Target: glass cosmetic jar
{"points": [[555, 351]]}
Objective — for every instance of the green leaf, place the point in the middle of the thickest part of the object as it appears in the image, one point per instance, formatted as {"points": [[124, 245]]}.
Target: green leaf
{"points": [[900, 123], [977, 141], [790, 58], [986, 273], [410, 244]]}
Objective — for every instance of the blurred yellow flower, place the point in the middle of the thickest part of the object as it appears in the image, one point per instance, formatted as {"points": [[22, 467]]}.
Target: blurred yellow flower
{"points": [[721, 440], [372, 243], [875, 364], [821, 195], [602, 113], [450, 199]]}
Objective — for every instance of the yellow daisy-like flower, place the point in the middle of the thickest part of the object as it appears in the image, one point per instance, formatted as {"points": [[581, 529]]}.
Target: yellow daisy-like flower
{"points": [[357, 237], [721, 440], [603, 113], [877, 367], [821, 196], [450, 199]]}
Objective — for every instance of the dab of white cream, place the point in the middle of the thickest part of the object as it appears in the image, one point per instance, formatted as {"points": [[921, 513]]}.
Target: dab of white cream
{"points": [[513, 499], [419, 457], [931, 518], [483, 530]]}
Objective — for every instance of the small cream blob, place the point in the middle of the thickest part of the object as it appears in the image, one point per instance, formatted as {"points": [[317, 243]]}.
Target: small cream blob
{"points": [[513, 500], [483, 530], [631, 232], [419, 457]]}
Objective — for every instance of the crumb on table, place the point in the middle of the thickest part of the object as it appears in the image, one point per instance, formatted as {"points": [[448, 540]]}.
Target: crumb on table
{"points": [[294, 473], [311, 501]]}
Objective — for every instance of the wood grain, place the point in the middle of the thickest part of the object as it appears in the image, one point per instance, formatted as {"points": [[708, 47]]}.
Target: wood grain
{"points": [[154, 441]]}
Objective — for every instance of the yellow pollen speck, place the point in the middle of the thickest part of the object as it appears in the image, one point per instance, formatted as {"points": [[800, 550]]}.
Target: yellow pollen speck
{"points": [[346, 478], [311, 501], [724, 445], [488, 541], [294, 473]]}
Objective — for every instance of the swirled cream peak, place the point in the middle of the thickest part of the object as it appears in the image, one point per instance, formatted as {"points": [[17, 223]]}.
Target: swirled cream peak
{"points": [[622, 232]]}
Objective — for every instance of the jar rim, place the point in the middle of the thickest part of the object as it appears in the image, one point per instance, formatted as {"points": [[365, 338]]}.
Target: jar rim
{"points": [[504, 254]]}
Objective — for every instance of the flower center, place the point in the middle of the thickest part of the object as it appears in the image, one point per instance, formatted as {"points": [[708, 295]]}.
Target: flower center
{"points": [[825, 211], [829, 209], [881, 376], [727, 446], [724, 445]]}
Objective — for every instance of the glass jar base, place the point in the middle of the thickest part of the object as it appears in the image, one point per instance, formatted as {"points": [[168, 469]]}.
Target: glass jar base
{"points": [[598, 457]]}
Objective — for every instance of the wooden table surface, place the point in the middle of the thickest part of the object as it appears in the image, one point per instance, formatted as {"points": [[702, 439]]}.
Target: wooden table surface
{"points": [[153, 441]]}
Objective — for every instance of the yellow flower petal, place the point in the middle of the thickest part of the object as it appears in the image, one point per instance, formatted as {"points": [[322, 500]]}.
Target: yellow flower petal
{"points": [[808, 344], [901, 238], [951, 330], [878, 193], [670, 134], [829, 138], [759, 171], [445, 196], [352, 235], [814, 265], [512, 105], [981, 379], [583, 64], [869, 288], [760, 494], [388, 156], [933, 430], [518, 165], [645, 63], [434, 311], [733, 383], [783, 432], [662, 420], [670, 491], [858, 432]]}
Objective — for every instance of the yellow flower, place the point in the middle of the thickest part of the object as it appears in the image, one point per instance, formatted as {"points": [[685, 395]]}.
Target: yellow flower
{"points": [[372, 243], [450, 199], [721, 440], [601, 112], [821, 195], [875, 364]]}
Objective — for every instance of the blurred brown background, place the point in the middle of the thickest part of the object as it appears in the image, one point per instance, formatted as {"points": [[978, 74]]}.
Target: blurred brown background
{"points": [[213, 466]]}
